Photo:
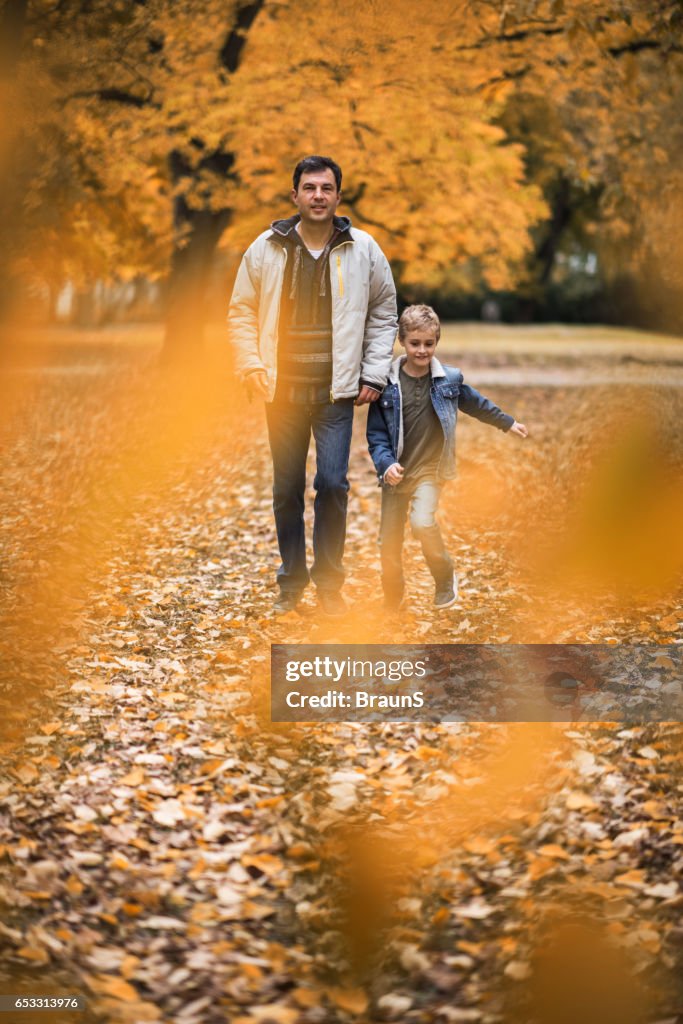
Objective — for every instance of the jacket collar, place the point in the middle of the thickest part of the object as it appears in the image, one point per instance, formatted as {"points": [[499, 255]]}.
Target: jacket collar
{"points": [[283, 228], [435, 368]]}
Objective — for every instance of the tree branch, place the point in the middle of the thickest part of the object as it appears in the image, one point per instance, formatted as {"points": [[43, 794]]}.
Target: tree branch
{"points": [[509, 37], [231, 51], [507, 76], [643, 44], [110, 95], [352, 200]]}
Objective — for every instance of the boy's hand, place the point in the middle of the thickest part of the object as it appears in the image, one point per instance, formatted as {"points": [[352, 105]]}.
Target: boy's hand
{"points": [[394, 474], [257, 385], [519, 429], [367, 395]]}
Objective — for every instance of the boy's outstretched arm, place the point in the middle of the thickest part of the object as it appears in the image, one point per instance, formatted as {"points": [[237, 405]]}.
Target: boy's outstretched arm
{"points": [[482, 408]]}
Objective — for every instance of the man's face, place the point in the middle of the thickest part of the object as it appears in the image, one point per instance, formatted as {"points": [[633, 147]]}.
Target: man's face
{"points": [[317, 197], [420, 344]]}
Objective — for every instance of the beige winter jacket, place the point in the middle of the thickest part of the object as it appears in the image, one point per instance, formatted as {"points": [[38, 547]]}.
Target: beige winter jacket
{"points": [[364, 322]]}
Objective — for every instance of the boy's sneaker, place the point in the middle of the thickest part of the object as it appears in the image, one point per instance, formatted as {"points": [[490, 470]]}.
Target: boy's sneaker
{"points": [[331, 602], [446, 594]]}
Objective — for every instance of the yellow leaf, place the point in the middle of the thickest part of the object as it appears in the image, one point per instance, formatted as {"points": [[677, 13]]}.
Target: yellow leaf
{"points": [[129, 966], [578, 801], [669, 622], [26, 773], [274, 1013], [171, 696], [255, 911], [472, 948], [264, 862], [655, 809], [50, 727], [131, 909], [203, 912], [137, 1012], [353, 1000], [648, 938], [539, 867], [266, 801], [210, 766], [479, 845], [306, 997], [252, 971], [118, 609], [635, 879], [33, 953], [120, 862], [553, 850], [300, 851], [425, 855], [427, 753], [116, 987]]}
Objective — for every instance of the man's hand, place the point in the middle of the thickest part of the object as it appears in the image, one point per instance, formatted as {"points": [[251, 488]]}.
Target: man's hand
{"points": [[367, 395], [256, 384], [394, 474], [519, 429]]}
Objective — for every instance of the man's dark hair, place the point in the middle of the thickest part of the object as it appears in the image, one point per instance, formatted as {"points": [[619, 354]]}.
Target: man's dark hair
{"points": [[310, 164]]}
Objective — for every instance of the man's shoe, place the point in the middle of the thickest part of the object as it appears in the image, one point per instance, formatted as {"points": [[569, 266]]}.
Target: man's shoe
{"points": [[446, 594], [331, 602], [286, 602]]}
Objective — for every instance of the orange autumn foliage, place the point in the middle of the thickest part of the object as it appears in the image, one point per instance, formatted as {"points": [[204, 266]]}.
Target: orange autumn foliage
{"points": [[133, 127]]}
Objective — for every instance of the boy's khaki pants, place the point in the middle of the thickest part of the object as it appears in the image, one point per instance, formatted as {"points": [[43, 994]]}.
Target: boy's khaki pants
{"points": [[421, 499]]}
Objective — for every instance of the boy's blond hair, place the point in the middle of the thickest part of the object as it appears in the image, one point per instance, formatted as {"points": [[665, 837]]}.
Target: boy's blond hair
{"points": [[414, 317]]}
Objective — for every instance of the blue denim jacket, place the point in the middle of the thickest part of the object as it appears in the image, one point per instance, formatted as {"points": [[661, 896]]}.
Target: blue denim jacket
{"points": [[448, 394]]}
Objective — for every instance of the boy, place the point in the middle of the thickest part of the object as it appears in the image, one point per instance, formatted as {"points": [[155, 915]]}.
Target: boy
{"points": [[411, 437]]}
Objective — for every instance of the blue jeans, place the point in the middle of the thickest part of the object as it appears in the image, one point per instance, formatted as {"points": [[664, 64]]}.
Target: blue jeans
{"points": [[422, 499], [289, 431]]}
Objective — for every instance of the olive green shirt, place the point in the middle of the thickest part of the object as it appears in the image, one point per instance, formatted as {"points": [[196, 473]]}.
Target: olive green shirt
{"points": [[422, 431]]}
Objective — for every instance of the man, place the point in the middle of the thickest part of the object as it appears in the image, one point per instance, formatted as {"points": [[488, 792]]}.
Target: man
{"points": [[313, 322]]}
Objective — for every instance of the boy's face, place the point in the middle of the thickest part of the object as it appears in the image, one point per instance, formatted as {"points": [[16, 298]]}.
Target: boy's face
{"points": [[420, 344]]}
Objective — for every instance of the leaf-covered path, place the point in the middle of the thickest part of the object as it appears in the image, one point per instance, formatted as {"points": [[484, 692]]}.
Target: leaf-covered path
{"points": [[173, 855]]}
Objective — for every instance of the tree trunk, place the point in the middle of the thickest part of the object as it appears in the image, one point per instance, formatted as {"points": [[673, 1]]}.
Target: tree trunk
{"points": [[12, 21], [561, 216], [191, 264], [198, 231]]}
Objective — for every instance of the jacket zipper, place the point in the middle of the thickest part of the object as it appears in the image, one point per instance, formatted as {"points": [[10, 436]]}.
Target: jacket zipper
{"points": [[279, 304], [340, 282]]}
